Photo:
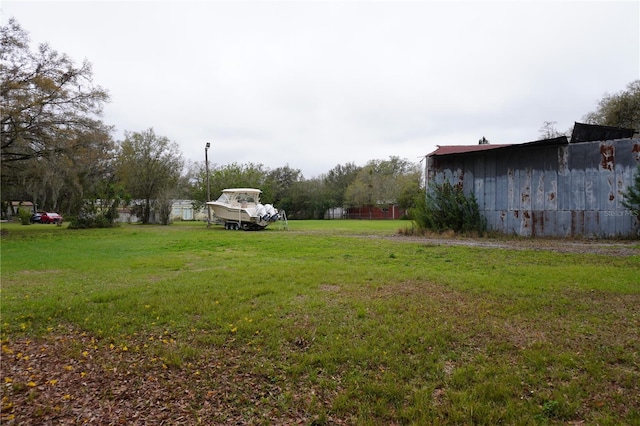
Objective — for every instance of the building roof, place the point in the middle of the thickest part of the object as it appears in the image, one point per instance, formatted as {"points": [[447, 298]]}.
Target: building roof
{"points": [[593, 132], [463, 149], [581, 133]]}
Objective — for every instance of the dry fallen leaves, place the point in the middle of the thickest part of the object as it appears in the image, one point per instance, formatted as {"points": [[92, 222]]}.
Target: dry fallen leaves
{"points": [[74, 379]]}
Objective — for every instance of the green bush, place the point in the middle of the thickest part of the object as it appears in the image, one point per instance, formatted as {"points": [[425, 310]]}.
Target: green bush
{"points": [[94, 215], [25, 216], [632, 195], [101, 210], [447, 208]]}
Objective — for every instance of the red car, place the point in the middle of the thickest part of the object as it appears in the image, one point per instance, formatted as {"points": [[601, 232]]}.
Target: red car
{"points": [[46, 217]]}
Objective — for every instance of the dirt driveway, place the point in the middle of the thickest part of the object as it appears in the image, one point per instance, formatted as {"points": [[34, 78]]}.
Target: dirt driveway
{"points": [[604, 247]]}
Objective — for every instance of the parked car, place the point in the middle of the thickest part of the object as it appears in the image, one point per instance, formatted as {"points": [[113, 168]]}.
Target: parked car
{"points": [[46, 217], [36, 218]]}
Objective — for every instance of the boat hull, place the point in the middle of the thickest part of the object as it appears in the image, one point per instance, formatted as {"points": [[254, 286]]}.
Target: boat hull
{"points": [[244, 218], [240, 208]]}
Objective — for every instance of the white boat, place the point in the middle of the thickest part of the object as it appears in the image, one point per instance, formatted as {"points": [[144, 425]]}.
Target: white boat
{"points": [[240, 208]]}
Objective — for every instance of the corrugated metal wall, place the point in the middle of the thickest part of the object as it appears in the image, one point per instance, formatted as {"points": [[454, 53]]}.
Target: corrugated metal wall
{"points": [[548, 190]]}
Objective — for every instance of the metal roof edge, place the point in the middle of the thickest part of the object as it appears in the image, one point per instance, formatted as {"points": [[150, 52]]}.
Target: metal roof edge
{"points": [[468, 149]]}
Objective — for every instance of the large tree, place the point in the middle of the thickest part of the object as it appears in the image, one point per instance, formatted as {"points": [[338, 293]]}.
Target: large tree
{"points": [[49, 121], [382, 182], [234, 175], [336, 182], [306, 199], [149, 166], [621, 109], [280, 183]]}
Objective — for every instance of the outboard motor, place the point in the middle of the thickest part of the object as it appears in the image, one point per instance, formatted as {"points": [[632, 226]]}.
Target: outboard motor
{"points": [[271, 213], [261, 211]]}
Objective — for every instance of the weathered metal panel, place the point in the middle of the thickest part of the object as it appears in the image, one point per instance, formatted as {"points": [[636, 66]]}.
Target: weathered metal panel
{"points": [[606, 191], [499, 221], [513, 189], [525, 188], [577, 222], [577, 190], [607, 156], [609, 190], [537, 223], [563, 160], [621, 222], [564, 194], [623, 180], [582, 156], [550, 190], [489, 193], [502, 184], [635, 152], [447, 176], [591, 132], [526, 224], [607, 223], [537, 190], [490, 173], [458, 177], [491, 219], [563, 223], [592, 223], [590, 188], [479, 180], [550, 222], [513, 222], [469, 177]]}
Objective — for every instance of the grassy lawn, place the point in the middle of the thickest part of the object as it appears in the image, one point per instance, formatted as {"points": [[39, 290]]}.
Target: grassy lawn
{"points": [[330, 322]]}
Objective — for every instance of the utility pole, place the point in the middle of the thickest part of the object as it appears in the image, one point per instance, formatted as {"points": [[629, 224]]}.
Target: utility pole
{"points": [[206, 165]]}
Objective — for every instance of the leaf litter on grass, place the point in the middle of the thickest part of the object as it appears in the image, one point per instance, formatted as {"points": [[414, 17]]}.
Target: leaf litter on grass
{"points": [[74, 378], [562, 352]]}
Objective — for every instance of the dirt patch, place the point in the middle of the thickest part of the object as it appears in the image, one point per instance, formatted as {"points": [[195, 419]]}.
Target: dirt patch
{"points": [[610, 248], [77, 379], [330, 287]]}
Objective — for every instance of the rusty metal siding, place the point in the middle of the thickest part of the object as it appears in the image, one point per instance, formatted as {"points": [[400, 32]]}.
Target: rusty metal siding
{"points": [[502, 182], [549, 190]]}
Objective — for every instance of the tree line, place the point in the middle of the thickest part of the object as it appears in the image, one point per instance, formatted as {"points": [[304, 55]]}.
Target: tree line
{"points": [[58, 153]]}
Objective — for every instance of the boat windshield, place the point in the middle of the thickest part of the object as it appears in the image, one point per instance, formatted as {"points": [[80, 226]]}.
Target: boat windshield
{"points": [[245, 197], [224, 198], [238, 198]]}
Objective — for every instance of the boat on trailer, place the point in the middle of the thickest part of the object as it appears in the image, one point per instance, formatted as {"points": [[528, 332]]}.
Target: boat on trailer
{"points": [[240, 208]]}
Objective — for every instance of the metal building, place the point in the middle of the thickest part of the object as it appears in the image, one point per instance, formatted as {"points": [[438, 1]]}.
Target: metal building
{"points": [[549, 187]]}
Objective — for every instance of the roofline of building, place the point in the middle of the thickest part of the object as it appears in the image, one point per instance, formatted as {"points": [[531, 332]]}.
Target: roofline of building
{"points": [[581, 133], [466, 149]]}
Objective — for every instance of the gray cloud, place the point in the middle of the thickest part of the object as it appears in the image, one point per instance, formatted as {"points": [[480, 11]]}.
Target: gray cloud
{"points": [[315, 84]]}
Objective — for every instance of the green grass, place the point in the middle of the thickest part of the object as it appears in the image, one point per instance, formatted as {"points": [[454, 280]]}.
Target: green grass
{"points": [[333, 322]]}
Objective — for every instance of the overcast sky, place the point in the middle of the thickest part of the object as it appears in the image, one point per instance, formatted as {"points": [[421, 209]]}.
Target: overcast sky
{"points": [[314, 84]]}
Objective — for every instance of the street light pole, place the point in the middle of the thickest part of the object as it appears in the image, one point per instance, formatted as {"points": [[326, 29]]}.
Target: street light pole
{"points": [[206, 165]]}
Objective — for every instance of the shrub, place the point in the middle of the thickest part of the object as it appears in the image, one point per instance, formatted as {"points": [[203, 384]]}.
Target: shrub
{"points": [[632, 195], [93, 215], [25, 216], [447, 208], [101, 211]]}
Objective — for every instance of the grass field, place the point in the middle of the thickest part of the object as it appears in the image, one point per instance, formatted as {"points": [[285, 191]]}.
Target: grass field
{"points": [[329, 322]]}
